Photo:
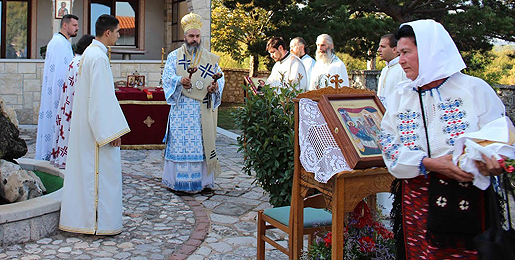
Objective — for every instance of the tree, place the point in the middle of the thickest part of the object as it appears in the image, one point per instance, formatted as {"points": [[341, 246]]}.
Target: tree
{"points": [[240, 31], [472, 24]]}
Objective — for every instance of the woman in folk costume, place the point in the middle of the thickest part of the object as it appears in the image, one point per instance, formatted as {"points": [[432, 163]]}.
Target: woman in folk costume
{"points": [[64, 112], [437, 211], [191, 162]]}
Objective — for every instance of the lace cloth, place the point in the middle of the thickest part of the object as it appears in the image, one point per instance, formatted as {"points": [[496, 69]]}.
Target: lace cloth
{"points": [[319, 152]]}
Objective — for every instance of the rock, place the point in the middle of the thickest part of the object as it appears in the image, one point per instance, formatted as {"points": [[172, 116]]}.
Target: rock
{"points": [[9, 113], [11, 145], [17, 184]]}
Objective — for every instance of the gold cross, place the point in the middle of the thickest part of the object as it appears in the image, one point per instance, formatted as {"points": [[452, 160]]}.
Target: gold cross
{"points": [[336, 80], [149, 121]]}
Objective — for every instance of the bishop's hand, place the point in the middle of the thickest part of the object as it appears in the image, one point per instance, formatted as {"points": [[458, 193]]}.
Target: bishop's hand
{"points": [[186, 82]]}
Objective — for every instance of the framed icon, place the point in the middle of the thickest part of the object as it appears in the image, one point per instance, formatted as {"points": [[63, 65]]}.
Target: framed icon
{"points": [[355, 122], [62, 8], [131, 81], [255, 84]]}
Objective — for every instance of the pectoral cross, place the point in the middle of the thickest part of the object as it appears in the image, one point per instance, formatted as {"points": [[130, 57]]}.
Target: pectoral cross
{"points": [[336, 80]]}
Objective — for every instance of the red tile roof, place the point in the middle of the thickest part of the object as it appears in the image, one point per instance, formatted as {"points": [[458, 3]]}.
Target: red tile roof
{"points": [[127, 25]]}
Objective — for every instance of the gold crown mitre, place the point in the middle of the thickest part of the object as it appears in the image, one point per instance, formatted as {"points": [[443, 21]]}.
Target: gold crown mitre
{"points": [[191, 21]]}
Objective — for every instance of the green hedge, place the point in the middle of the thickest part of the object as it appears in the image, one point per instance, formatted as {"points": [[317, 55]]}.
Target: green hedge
{"points": [[267, 141]]}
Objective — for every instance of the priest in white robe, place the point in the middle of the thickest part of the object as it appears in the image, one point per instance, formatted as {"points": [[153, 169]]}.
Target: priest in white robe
{"points": [[329, 70], [191, 162], [64, 113], [392, 74], [92, 192], [288, 70], [59, 54], [298, 48]]}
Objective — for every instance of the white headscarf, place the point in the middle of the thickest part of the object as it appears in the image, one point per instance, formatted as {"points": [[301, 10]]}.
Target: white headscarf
{"points": [[438, 56]]}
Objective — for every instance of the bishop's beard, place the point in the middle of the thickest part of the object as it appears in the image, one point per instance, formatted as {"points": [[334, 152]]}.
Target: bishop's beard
{"points": [[193, 47]]}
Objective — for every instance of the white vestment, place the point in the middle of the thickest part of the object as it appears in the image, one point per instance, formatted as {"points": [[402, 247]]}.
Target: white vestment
{"points": [[92, 192], [329, 74], [64, 116], [288, 70], [185, 167], [59, 54], [309, 63], [390, 76]]}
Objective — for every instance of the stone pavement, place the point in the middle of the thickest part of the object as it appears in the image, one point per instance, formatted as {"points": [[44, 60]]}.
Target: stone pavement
{"points": [[159, 224]]}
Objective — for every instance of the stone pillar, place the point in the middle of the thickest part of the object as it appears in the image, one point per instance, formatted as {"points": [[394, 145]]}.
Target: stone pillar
{"points": [[168, 37]]}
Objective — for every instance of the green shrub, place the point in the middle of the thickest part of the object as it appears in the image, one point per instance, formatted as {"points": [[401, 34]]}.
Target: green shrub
{"points": [[267, 141]]}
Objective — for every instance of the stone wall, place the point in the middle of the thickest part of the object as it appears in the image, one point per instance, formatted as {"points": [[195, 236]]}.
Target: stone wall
{"points": [[507, 95], [234, 80]]}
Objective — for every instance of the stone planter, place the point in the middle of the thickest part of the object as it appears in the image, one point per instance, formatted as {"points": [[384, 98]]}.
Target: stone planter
{"points": [[33, 219]]}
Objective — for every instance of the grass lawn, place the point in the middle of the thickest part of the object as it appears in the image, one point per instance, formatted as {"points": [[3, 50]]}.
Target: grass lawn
{"points": [[225, 118]]}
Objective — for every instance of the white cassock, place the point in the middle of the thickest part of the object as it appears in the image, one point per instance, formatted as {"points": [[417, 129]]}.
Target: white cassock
{"points": [[288, 70], [59, 54], [309, 63], [390, 76], [329, 74], [92, 192]]}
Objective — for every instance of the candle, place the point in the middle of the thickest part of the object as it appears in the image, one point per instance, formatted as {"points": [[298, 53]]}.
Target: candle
{"points": [[109, 48], [162, 55]]}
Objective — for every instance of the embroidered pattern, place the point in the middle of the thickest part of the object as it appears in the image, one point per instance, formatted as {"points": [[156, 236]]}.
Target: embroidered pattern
{"points": [[453, 117], [390, 149], [406, 126], [464, 205], [441, 201]]}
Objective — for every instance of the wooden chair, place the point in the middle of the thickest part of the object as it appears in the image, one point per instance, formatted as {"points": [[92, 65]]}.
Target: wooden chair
{"points": [[316, 218]]}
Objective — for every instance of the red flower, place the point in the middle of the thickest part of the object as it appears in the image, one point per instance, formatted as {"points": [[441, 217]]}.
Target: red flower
{"points": [[328, 239], [367, 244]]}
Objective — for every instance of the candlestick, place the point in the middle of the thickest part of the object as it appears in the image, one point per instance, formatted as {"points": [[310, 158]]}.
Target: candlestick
{"points": [[162, 55]]}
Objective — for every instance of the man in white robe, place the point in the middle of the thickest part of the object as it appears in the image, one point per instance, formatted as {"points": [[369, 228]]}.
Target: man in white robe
{"points": [[288, 70], [191, 162], [92, 192], [64, 113], [390, 76], [59, 54], [298, 47], [329, 70], [392, 73]]}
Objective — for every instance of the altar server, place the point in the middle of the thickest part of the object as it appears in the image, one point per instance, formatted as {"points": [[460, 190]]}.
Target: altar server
{"points": [[92, 192], [64, 113], [191, 162], [329, 70], [288, 70], [59, 54], [392, 73]]}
